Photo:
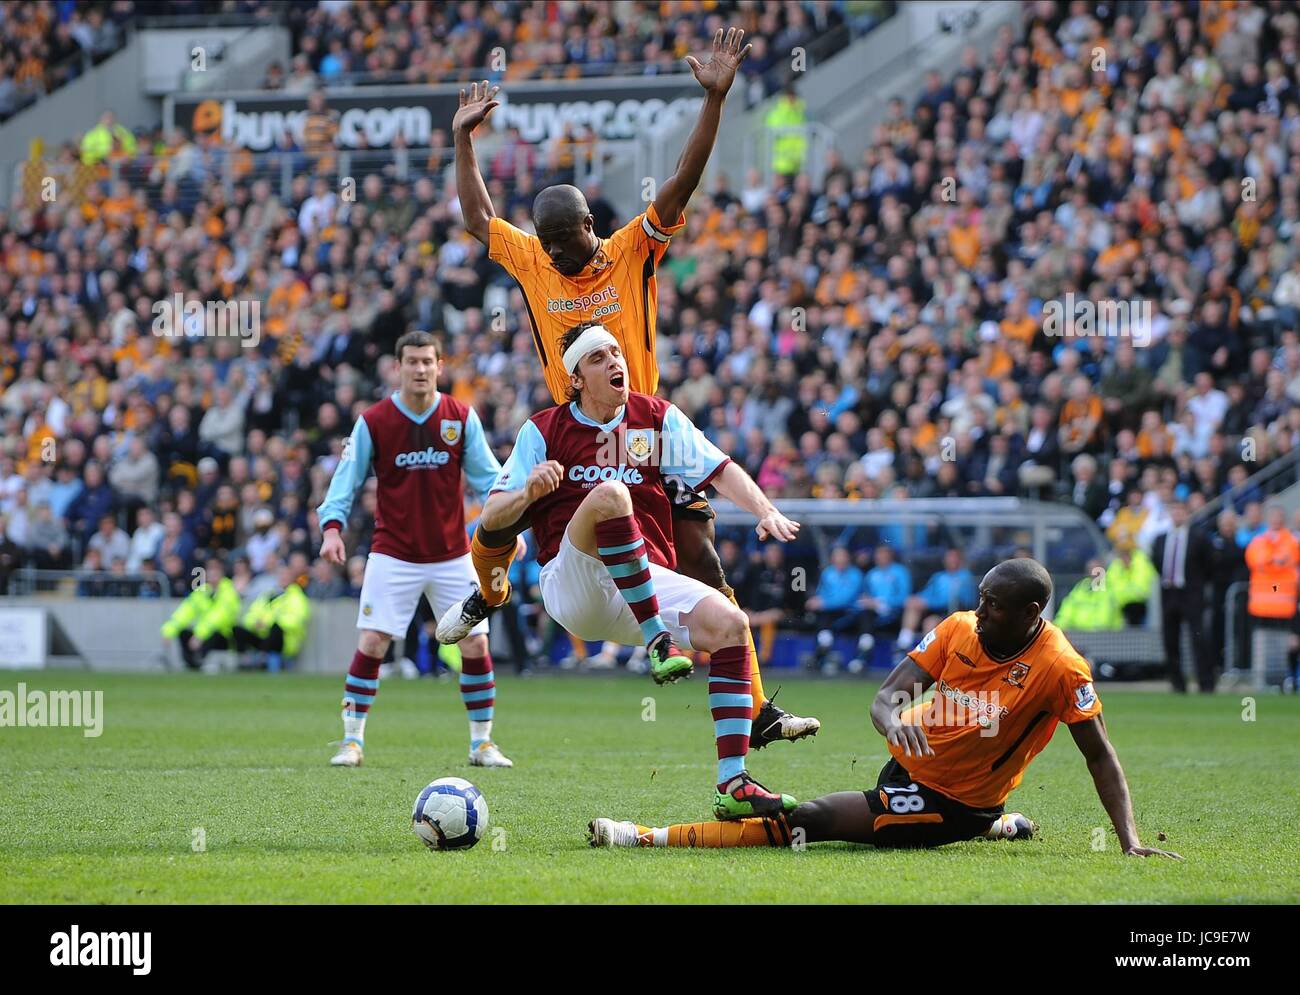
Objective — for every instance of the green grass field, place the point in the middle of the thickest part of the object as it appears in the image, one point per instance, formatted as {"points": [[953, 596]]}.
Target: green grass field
{"points": [[243, 758]]}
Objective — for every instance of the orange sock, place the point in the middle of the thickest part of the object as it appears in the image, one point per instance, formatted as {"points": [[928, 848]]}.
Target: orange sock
{"points": [[767, 633], [755, 678], [741, 832], [579, 647], [492, 564]]}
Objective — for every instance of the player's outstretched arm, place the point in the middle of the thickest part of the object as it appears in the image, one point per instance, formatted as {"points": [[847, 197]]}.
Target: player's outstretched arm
{"points": [[504, 508], [904, 685], [475, 204], [734, 484], [716, 76], [1090, 736]]}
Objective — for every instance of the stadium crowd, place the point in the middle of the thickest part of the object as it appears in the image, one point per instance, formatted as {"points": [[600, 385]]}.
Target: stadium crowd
{"points": [[881, 333], [44, 45], [367, 44]]}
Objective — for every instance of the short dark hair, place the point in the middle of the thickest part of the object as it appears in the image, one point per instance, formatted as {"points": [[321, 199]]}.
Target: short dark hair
{"points": [[559, 206], [568, 338], [1028, 579], [417, 340]]}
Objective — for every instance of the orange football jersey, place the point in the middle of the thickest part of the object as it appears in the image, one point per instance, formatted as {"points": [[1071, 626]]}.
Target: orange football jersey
{"points": [[988, 718], [618, 288]]}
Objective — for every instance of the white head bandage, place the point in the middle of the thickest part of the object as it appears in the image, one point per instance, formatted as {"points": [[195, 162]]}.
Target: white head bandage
{"points": [[593, 338]]}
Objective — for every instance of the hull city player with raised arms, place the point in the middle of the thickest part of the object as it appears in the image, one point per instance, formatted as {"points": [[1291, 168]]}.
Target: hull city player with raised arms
{"points": [[604, 530], [568, 276], [1005, 678], [418, 441]]}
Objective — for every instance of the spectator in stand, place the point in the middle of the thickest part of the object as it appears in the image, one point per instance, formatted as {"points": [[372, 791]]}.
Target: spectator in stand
{"points": [[47, 540], [91, 582], [109, 541], [319, 129], [884, 594], [951, 589], [1252, 524], [1088, 494], [772, 596], [135, 475], [325, 583], [221, 431], [95, 501], [220, 530], [176, 541], [266, 542], [146, 541], [833, 608], [11, 556]]}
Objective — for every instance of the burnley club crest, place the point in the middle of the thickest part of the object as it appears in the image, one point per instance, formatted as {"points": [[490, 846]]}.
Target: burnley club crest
{"points": [[640, 444]]}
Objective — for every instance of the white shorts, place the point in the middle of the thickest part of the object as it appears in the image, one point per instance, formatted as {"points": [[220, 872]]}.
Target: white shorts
{"points": [[580, 594], [391, 591]]}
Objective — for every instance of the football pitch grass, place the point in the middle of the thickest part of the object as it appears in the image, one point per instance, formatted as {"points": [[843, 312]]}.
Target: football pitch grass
{"points": [[217, 790]]}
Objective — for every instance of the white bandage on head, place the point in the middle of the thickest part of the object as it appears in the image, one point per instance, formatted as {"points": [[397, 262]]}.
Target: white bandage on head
{"points": [[593, 338]]}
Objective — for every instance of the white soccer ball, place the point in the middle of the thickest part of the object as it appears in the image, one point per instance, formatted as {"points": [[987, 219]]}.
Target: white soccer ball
{"points": [[450, 814]]}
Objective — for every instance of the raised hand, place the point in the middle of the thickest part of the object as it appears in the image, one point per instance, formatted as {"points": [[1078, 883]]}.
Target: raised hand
{"points": [[717, 75], [475, 106]]}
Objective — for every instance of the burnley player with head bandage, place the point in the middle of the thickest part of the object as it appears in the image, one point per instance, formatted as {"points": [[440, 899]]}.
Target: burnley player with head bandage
{"points": [[589, 476], [418, 442]]}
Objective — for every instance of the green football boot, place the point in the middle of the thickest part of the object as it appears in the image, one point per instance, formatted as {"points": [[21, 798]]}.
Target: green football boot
{"points": [[745, 798], [667, 663]]}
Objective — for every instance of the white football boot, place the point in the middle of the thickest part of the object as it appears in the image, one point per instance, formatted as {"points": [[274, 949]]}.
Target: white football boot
{"points": [[460, 618], [489, 755], [607, 832], [349, 755], [774, 724], [1012, 826]]}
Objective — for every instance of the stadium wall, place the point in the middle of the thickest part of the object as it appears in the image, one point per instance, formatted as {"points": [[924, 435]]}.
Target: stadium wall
{"points": [[123, 633], [72, 110]]}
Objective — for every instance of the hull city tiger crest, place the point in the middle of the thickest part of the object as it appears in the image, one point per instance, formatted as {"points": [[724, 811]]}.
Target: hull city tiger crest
{"points": [[1016, 676], [640, 443], [451, 431]]}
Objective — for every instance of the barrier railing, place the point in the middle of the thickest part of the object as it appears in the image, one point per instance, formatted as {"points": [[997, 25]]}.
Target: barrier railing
{"points": [[29, 580], [1274, 477]]}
